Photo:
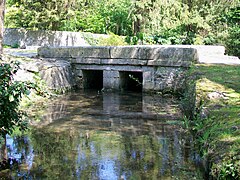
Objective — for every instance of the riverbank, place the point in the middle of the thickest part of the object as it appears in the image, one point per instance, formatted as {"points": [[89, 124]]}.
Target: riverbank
{"points": [[217, 124]]}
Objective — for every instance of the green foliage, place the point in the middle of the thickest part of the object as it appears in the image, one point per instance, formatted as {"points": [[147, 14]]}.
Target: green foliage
{"points": [[232, 17], [13, 46], [229, 168], [134, 40], [90, 39], [233, 41], [37, 14], [72, 15], [210, 39], [112, 40], [11, 93]]}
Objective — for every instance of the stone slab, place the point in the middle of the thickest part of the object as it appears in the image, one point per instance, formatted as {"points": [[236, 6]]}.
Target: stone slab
{"points": [[86, 61], [90, 52], [168, 53], [113, 67], [50, 52], [74, 52], [124, 52], [134, 62], [169, 63]]}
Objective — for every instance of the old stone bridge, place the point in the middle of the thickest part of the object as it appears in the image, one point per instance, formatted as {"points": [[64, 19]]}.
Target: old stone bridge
{"points": [[138, 68]]}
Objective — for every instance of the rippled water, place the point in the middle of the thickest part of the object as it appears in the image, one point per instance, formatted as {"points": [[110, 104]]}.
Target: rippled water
{"points": [[92, 135]]}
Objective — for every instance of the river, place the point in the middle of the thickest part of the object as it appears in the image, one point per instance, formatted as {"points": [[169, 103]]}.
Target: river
{"points": [[107, 136]]}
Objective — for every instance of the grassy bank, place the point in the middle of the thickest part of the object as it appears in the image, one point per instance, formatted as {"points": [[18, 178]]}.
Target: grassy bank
{"points": [[217, 124]]}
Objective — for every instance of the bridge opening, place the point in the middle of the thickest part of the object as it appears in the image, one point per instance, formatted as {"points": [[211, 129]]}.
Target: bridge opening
{"points": [[131, 81], [92, 79]]}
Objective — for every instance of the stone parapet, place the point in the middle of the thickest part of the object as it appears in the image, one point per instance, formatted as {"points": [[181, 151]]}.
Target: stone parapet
{"points": [[134, 55]]}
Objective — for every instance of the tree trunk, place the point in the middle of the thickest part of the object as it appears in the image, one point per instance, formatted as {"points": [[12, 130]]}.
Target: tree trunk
{"points": [[2, 10], [3, 152], [137, 26]]}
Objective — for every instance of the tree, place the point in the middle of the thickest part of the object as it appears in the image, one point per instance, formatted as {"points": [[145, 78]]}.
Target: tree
{"points": [[41, 14], [11, 93], [233, 42], [71, 15], [2, 10]]}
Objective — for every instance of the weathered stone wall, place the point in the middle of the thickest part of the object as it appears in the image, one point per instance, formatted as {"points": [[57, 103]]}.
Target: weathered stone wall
{"points": [[163, 68], [33, 39]]}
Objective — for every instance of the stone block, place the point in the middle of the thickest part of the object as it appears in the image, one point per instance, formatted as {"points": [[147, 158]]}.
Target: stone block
{"points": [[50, 52], [169, 56], [169, 79], [110, 74], [90, 52], [148, 80], [57, 75], [148, 86], [111, 79], [168, 53], [86, 61], [124, 52], [78, 72], [74, 52], [32, 67], [148, 53], [148, 75], [169, 63], [134, 62]]}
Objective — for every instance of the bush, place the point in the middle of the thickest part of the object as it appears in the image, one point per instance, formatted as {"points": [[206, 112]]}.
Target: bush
{"points": [[11, 93], [140, 38], [112, 40], [198, 40], [210, 39], [91, 40], [233, 42]]}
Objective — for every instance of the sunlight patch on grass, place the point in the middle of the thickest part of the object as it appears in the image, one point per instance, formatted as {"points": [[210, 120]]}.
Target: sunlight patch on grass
{"points": [[218, 88], [226, 95], [229, 138]]}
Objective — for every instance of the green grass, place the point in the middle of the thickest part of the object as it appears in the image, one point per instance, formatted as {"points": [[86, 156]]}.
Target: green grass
{"points": [[220, 133], [228, 76]]}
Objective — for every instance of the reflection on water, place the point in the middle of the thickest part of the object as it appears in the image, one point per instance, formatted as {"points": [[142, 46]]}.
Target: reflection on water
{"points": [[106, 136]]}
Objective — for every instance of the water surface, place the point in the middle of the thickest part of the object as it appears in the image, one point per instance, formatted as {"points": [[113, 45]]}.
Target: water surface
{"points": [[92, 135]]}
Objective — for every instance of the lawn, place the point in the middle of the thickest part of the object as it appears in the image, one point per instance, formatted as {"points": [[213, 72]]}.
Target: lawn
{"points": [[218, 132]]}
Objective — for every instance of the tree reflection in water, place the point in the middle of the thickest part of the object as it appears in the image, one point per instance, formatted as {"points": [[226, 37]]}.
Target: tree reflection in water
{"points": [[109, 136]]}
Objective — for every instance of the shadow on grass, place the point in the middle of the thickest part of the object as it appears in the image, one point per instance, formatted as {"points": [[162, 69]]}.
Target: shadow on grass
{"points": [[226, 75]]}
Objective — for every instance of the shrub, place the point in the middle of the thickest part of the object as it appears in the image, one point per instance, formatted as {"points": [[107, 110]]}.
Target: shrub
{"points": [[210, 39], [11, 93], [233, 41], [91, 40], [112, 40]]}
